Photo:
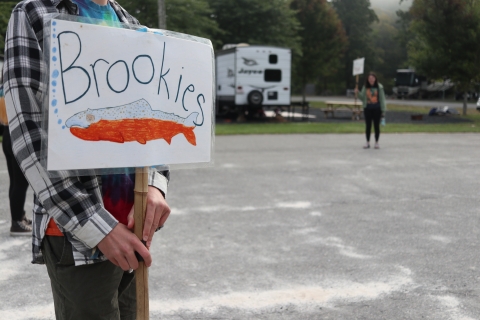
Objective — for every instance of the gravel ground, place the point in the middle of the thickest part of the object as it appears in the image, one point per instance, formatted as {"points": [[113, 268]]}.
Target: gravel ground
{"points": [[302, 227]]}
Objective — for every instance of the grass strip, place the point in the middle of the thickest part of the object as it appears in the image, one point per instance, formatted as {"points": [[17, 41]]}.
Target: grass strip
{"points": [[355, 126]]}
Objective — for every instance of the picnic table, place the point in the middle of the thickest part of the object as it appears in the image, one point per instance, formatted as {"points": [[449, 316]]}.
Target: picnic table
{"points": [[304, 109], [354, 107]]}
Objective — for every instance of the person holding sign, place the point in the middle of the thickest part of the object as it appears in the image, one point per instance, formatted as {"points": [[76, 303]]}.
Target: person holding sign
{"points": [[81, 224], [372, 96]]}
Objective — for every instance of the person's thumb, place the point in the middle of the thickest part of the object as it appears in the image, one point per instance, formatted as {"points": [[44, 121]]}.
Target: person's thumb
{"points": [[131, 219]]}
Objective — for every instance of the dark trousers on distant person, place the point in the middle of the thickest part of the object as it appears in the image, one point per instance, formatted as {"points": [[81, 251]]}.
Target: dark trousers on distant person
{"points": [[372, 114], [18, 184]]}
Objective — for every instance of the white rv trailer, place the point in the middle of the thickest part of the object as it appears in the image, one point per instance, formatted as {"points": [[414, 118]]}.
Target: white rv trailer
{"points": [[254, 76]]}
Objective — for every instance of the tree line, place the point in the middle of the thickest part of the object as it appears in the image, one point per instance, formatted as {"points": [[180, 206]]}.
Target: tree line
{"points": [[439, 38], [317, 31], [325, 36]]}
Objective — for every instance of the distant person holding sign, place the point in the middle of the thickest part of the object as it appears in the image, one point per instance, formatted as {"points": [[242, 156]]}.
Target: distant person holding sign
{"points": [[374, 107], [81, 224], [17, 191]]}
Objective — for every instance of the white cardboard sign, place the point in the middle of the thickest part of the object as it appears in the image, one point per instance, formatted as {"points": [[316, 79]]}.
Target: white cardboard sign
{"points": [[358, 66], [123, 98]]}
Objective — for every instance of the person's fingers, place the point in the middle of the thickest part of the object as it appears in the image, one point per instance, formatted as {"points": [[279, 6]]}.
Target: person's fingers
{"points": [[119, 247], [158, 216], [163, 219], [149, 220], [166, 214], [114, 261], [132, 260], [123, 263], [163, 214], [131, 219], [143, 251]]}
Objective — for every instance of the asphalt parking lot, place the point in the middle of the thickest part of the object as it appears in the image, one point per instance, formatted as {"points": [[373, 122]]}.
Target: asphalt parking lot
{"points": [[303, 227]]}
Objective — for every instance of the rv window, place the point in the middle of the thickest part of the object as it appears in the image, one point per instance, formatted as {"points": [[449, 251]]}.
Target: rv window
{"points": [[273, 75], [273, 59]]}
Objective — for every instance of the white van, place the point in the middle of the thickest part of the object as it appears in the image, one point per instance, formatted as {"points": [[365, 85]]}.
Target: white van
{"points": [[254, 76]]}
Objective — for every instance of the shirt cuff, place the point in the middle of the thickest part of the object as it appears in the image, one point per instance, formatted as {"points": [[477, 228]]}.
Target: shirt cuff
{"points": [[96, 228], [159, 181]]}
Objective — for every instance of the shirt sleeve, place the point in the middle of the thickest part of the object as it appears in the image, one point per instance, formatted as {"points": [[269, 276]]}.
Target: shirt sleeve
{"points": [[361, 94], [159, 180], [74, 202], [383, 103]]}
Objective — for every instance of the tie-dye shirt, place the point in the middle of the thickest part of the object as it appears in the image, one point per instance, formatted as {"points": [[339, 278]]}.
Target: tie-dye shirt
{"points": [[117, 189], [90, 9], [118, 196], [372, 98]]}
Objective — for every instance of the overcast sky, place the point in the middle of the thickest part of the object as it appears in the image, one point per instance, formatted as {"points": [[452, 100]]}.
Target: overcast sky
{"points": [[391, 5]]}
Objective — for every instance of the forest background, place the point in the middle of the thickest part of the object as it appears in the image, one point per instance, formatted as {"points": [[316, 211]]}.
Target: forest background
{"points": [[327, 35]]}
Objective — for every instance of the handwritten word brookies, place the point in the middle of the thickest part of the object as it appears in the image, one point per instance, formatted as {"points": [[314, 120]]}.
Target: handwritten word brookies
{"points": [[119, 74]]}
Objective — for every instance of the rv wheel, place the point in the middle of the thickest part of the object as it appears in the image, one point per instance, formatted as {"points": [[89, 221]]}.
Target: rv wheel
{"points": [[255, 98]]}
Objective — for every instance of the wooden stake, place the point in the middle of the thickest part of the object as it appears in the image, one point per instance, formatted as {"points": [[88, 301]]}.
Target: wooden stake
{"points": [[141, 274], [162, 15], [356, 91]]}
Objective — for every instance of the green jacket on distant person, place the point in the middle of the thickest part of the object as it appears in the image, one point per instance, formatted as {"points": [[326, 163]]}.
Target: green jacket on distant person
{"points": [[381, 96]]}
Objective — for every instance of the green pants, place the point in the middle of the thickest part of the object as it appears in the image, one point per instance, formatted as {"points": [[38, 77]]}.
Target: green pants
{"points": [[100, 291]]}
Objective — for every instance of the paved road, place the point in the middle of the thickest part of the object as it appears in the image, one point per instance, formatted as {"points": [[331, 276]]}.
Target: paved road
{"points": [[304, 227], [418, 103]]}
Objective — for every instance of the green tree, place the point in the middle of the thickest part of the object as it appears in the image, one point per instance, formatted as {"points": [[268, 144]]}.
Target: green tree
{"points": [[446, 41], [185, 16], [390, 48], [357, 18], [257, 22], [403, 25], [146, 11], [323, 41], [5, 12], [192, 17]]}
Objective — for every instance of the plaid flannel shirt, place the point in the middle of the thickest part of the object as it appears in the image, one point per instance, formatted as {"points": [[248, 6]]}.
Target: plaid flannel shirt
{"points": [[75, 203]]}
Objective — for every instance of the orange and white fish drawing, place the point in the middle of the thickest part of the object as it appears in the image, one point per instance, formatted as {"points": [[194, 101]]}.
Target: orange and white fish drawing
{"points": [[135, 121]]}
